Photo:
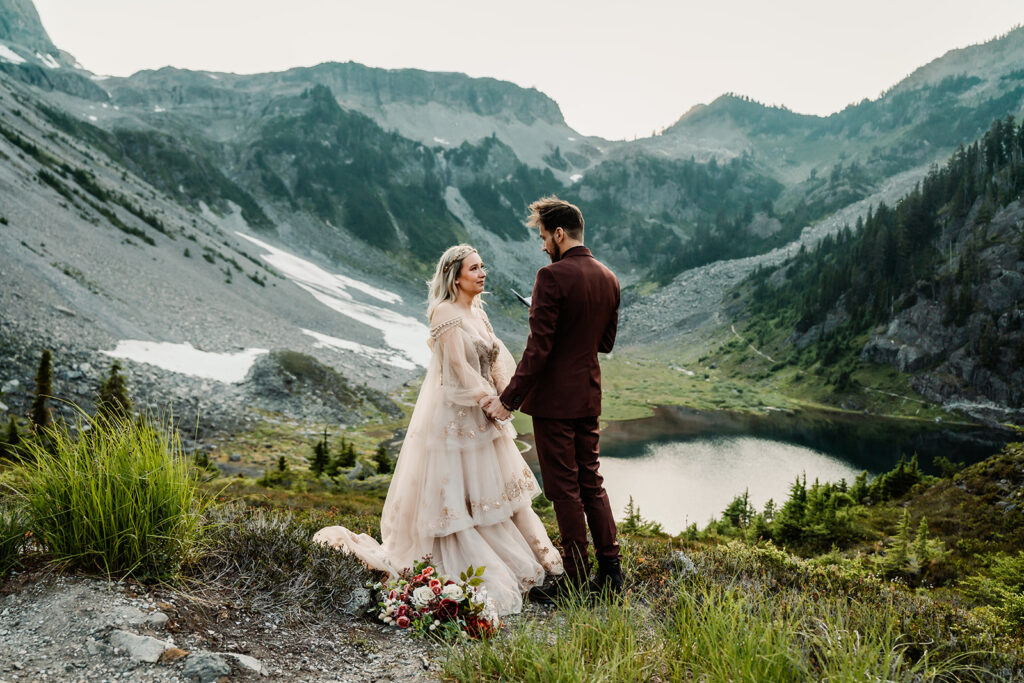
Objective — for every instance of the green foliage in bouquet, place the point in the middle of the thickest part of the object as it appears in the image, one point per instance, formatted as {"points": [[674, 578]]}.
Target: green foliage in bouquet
{"points": [[427, 603]]}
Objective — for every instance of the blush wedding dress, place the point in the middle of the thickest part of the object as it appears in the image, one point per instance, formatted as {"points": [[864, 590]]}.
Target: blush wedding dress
{"points": [[461, 491]]}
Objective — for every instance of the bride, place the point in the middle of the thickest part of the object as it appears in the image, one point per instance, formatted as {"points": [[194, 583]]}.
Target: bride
{"points": [[461, 491]]}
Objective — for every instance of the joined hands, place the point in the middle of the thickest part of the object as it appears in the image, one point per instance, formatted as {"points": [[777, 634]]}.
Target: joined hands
{"points": [[492, 407]]}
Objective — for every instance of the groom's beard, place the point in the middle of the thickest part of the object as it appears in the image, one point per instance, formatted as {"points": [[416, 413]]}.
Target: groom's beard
{"points": [[557, 255]]}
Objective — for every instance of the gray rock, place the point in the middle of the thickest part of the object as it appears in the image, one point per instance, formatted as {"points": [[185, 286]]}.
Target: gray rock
{"points": [[206, 667], [360, 471], [359, 600], [3, 407], [157, 619], [880, 350], [10, 386], [681, 564], [234, 457], [139, 648], [911, 359], [245, 662]]}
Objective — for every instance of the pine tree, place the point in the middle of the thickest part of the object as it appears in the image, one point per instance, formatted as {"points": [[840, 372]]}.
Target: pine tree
{"points": [[321, 456], [896, 558], [382, 460], [739, 512], [281, 464], [112, 401], [347, 457], [11, 441], [921, 542], [41, 415]]}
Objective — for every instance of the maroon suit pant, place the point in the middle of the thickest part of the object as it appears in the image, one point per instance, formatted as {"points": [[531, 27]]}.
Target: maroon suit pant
{"points": [[568, 454]]}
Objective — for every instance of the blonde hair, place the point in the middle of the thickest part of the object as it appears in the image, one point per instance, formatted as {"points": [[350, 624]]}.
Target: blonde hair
{"points": [[442, 287]]}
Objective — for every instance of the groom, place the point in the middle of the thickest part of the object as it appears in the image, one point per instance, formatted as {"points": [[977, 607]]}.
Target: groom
{"points": [[573, 315]]}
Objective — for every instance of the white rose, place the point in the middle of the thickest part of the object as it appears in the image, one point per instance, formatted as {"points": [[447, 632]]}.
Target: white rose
{"points": [[422, 596], [454, 592]]}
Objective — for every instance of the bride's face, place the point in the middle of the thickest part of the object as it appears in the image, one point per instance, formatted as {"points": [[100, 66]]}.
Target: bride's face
{"points": [[472, 276]]}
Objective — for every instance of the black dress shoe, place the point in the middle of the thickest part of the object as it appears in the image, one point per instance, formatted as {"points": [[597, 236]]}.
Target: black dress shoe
{"points": [[560, 588], [609, 575]]}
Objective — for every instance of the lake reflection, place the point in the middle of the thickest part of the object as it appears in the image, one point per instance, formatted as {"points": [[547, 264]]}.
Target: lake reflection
{"points": [[684, 466], [680, 483]]}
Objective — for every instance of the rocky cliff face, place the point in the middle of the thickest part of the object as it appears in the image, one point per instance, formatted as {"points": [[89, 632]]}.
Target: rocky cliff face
{"points": [[964, 346], [20, 25]]}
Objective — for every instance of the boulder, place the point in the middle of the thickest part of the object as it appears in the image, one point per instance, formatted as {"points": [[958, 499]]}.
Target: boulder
{"points": [[206, 667], [250, 664], [139, 648]]}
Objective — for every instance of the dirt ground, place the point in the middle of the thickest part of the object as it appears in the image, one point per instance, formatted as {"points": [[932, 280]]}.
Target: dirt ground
{"points": [[57, 627]]}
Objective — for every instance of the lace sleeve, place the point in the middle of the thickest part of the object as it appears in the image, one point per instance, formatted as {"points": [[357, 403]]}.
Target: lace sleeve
{"points": [[460, 379], [504, 365]]}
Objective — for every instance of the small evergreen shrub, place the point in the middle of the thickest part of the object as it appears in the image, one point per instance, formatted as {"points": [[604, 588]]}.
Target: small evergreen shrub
{"points": [[269, 558], [113, 401]]}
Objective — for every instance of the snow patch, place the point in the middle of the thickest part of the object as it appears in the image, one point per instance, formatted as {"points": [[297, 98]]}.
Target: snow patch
{"points": [[188, 360], [214, 76], [157, 109], [9, 55], [92, 118], [403, 334], [97, 77], [571, 139], [575, 177], [48, 61], [441, 141], [324, 341]]}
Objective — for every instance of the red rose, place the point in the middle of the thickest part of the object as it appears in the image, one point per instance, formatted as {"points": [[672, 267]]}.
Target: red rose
{"points": [[448, 582], [478, 627], [448, 609], [428, 571], [435, 586], [403, 622], [392, 595], [403, 610]]}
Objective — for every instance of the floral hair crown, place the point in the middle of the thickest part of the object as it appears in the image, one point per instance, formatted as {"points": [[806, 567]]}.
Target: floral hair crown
{"points": [[459, 259]]}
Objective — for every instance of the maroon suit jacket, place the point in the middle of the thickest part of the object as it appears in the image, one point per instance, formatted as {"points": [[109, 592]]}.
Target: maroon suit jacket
{"points": [[574, 314]]}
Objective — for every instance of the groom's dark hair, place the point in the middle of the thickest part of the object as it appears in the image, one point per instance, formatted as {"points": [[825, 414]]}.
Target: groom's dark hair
{"points": [[551, 212]]}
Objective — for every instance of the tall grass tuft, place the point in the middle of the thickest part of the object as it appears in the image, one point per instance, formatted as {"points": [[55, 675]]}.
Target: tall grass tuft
{"points": [[119, 498], [734, 614], [13, 536]]}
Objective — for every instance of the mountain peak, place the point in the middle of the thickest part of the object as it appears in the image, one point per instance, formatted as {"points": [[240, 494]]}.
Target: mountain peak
{"points": [[743, 111], [20, 25]]}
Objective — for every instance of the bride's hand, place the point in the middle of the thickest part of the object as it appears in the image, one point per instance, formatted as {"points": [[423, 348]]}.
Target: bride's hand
{"points": [[492, 407]]}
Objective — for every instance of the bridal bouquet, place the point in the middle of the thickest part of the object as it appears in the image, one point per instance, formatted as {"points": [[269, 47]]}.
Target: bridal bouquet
{"points": [[428, 603]]}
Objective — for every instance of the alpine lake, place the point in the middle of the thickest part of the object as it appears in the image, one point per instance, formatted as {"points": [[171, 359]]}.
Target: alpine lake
{"points": [[682, 466]]}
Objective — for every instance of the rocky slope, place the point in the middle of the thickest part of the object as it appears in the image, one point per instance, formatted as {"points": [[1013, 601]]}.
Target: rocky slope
{"points": [[234, 213]]}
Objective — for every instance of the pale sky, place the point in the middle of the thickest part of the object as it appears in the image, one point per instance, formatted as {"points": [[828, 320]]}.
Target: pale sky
{"points": [[617, 69]]}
